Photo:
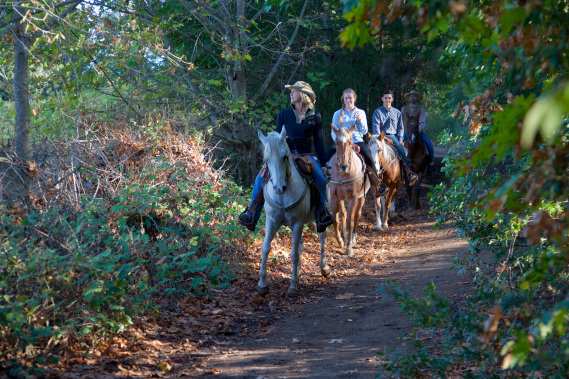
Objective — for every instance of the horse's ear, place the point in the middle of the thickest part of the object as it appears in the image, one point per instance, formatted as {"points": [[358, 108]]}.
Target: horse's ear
{"points": [[352, 128], [382, 136], [261, 136], [334, 128], [283, 135]]}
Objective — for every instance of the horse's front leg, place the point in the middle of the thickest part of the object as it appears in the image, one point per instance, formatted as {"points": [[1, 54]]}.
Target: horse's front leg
{"points": [[357, 214], [418, 191], [336, 213], [270, 231], [324, 268], [295, 257], [378, 201], [387, 207], [350, 227]]}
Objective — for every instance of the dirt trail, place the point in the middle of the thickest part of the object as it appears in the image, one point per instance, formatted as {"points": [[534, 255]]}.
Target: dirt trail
{"points": [[335, 329], [332, 329]]}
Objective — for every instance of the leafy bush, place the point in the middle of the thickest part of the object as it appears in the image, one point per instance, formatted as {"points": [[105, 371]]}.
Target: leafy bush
{"points": [[516, 319], [139, 219]]}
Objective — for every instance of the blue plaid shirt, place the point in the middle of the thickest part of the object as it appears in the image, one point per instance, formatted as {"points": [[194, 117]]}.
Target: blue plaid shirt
{"points": [[388, 121]]}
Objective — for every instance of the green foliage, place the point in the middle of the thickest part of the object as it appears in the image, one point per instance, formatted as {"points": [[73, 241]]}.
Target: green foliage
{"points": [[75, 273], [507, 188]]}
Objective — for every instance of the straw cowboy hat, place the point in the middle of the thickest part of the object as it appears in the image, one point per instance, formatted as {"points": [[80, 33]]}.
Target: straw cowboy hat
{"points": [[413, 92], [303, 87]]}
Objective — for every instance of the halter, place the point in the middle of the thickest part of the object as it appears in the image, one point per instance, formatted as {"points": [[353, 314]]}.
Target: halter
{"points": [[295, 203], [287, 174]]}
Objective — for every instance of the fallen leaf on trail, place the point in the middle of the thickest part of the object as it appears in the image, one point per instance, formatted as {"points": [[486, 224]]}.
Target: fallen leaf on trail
{"points": [[164, 366], [295, 340], [345, 296], [350, 372], [337, 341]]}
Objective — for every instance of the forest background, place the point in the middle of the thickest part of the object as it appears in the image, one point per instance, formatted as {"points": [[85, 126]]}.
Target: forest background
{"points": [[128, 129]]}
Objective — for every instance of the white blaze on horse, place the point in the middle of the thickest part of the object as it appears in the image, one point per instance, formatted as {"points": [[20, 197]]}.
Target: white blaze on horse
{"points": [[348, 183], [287, 202], [389, 171]]}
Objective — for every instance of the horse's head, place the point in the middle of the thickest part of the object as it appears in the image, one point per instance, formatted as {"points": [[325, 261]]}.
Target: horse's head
{"points": [[413, 132], [344, 146], [377, 146], [277, 156]]}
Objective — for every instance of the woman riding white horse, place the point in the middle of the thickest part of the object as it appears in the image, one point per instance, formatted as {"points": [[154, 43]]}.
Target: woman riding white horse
{"points": [[303, 129]]}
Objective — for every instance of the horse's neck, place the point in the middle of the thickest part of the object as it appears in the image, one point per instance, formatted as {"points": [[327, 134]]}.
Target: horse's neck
{"points": [[294, 185], [386, 156]]}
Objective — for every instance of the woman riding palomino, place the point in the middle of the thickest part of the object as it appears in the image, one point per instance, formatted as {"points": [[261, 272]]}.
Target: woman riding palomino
{"points": [[414, 114], [346, 117], [303, 128], [388, 120]]}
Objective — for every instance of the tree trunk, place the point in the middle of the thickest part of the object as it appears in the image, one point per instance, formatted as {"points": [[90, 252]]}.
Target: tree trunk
{"points": [[22, 42], [15, 180]]}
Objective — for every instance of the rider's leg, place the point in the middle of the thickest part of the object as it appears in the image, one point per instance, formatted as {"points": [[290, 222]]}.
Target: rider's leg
{"points": [[430, 148], [379, 188], [252, 213], [411, 177], [321, 213]]}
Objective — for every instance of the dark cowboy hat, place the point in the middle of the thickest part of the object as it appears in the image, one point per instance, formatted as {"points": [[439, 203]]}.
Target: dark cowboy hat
{"points": [[413, 92], [303, 87]]}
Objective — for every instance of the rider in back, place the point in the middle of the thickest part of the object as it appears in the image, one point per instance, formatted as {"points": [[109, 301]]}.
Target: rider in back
{"points": [[414, 114], [303, 128], [350, 115]]}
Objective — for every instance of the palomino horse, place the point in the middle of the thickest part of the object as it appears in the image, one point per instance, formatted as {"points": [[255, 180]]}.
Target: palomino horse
{"points": [[287, 199], [387, 162], [347, 183], [418, 161]]}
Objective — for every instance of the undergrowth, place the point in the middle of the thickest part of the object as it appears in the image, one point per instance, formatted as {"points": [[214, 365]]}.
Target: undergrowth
{"points": [[116, 221]]}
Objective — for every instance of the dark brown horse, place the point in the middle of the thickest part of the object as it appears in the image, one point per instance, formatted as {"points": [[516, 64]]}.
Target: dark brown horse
{"points": [[418, 161], [389, 171]]}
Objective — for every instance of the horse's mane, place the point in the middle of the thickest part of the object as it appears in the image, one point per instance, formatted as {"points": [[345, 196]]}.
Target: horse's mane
{"points": [[389, 150], [273, 143]]}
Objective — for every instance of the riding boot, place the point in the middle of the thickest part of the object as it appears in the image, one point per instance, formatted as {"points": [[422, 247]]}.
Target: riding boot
{"points": [[322, 216], [377, 185], [411, 176], [250, 216]]}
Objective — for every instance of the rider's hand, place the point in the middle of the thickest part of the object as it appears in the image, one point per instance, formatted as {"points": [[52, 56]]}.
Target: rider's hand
{"points": [[358, 116], [324, 171]]}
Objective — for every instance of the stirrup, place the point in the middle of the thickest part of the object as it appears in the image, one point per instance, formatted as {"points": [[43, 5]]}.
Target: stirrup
{"points": [[247, 221], [382, 191], [412, 179]]}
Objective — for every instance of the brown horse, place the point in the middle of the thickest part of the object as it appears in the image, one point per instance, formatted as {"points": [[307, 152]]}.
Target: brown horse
{"points": [[347, 183], [418, 161], [389, 171]]}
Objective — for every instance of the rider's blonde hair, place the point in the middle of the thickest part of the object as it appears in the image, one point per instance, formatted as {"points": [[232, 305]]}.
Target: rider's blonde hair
{"points": [[306, 100], [347, 90]]}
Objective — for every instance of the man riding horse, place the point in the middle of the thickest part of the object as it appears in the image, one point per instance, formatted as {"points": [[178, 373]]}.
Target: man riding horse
{"points": [[388, 120], [413, 115], [303, 128]]}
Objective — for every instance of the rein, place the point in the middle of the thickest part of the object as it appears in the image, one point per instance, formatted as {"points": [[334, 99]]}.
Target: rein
{"points": [[421, 157], [355, 178], [273, 204]]}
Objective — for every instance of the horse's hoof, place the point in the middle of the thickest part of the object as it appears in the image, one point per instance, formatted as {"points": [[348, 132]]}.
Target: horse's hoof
{"points": [[292, 291], [350, 252], [377, 229], [325, 271], [262, 291]]}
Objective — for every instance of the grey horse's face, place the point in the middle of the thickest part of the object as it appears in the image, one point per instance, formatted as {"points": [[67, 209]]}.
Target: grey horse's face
{"points": [[277, 156]]}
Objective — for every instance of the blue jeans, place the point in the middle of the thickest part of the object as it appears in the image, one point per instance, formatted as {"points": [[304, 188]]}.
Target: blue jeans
{"points": [[317, 176], [427, 142], [398, 147]]}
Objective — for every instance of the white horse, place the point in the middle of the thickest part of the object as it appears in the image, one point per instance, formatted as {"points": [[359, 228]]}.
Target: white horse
{"points": [[287, 200]]}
